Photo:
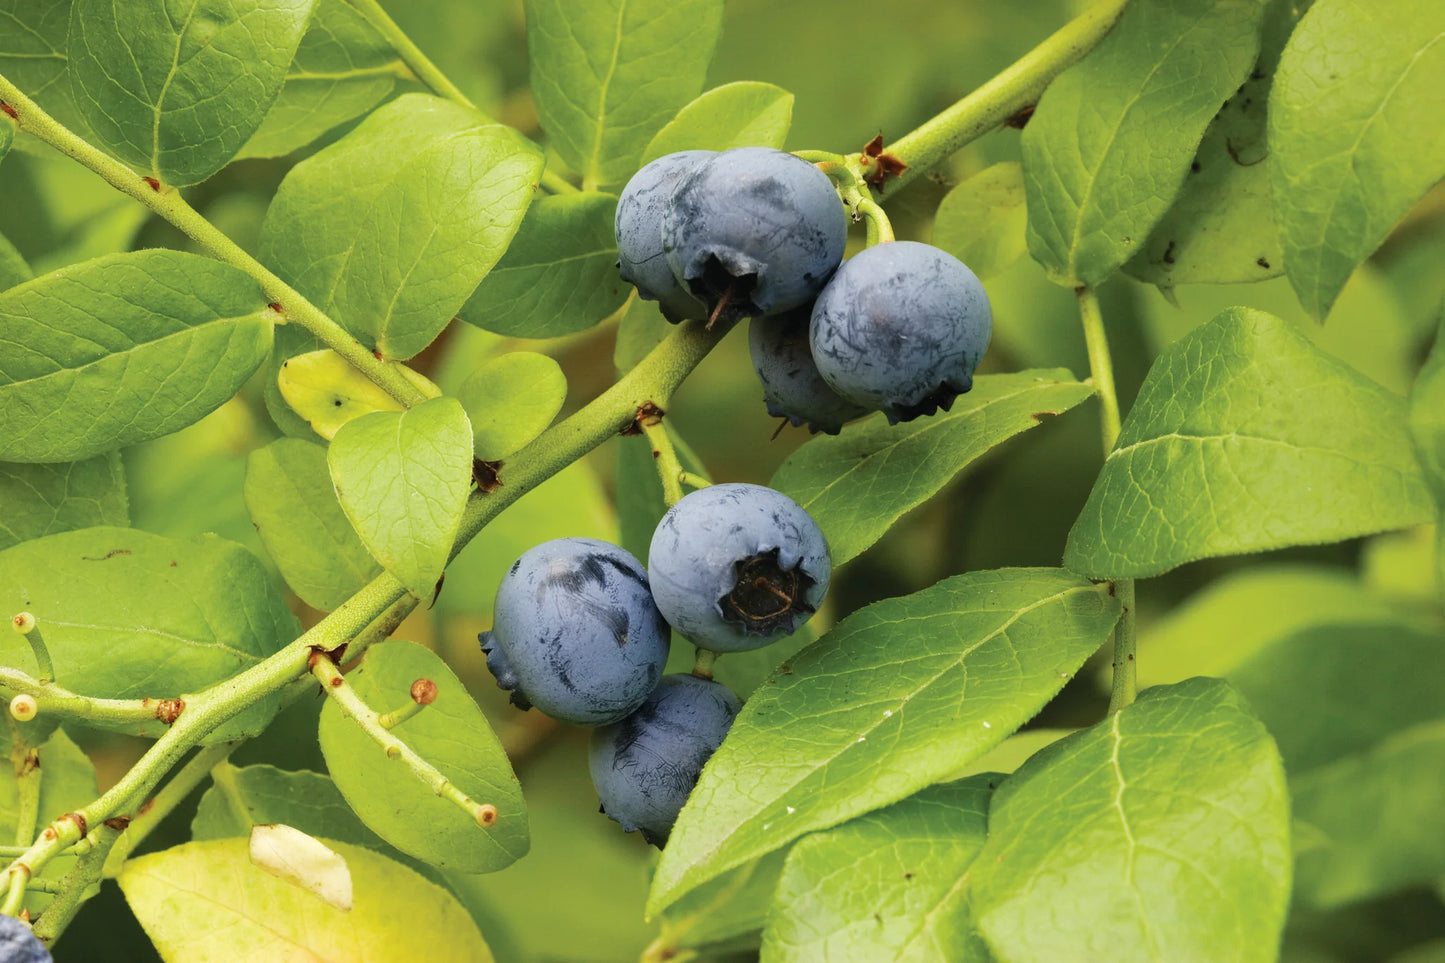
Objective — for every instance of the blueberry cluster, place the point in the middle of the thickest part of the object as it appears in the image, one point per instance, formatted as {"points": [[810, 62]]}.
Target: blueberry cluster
{"points": [[755, 232], [581, 631]]}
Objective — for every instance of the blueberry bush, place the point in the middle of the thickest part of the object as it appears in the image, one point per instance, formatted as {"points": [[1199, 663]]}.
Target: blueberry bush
{"points": [[1050, 573]]}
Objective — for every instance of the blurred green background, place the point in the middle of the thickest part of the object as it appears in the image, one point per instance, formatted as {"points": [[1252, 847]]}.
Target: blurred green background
{"points": [[857, 69]]}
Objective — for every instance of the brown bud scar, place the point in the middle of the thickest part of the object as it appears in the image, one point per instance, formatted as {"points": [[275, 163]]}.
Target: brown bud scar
{"points": [[884, 164], [1020, 120], [423, 692], [486, 815], [648, 415], [276, 306], [118, 823], [79, 821], [376, 353], [49, 832], [337, 681], [155, 184], [9, 110], [487, 475], [146, 806], [169, 710]]}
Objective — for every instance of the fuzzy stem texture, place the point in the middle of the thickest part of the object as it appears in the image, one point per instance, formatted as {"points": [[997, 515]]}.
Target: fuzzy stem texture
{"points": [[664, 454], [169, 204]]}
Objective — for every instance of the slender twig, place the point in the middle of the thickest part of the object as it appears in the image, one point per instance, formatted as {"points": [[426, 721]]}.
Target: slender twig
{"points": [[1125, 684], [693, 480], [1001, 98], [334, 684], [25, 624], [411, 55], [52, 699], [169, 204], [664, 454], [76, 887]]}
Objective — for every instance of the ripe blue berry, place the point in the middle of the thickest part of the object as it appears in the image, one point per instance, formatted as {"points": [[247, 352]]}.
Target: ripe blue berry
{"points": [[901, 328], [575, 632], [737, 566], [639, 234], [792, 386], [19, 945], [645, 766], [754, 231]]}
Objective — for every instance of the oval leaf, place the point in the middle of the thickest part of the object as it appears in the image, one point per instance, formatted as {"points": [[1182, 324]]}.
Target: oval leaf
{"points": [[1113, 136], [857, 484], [732, 908], [1350, 154], [392, 227], [246, 796], [325, 389], [123, 349], [607, 74], [1161, 833], [742, 114], [212, 888], [176, 90], [981, 221], [511, 400], [1376, 817], [892, 885], [41, 500], [294, 508], [451, 734], [129, 615], [559, 275], [342, 69], [897, 696], [1246, 437], [402, 479], [33, 58]]}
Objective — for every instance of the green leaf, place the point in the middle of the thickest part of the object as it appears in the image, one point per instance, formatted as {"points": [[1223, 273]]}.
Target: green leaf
{"points": [[7, 135], [1113, 136], [1427, 426], [33, 56], [981, 221], [607, 76], [41, 500], [570, 503], [857, 484], [403, 478], [175, 90], [640, 329], [128, 615], [293, 505], [67, 784], [1221, 228], [559, 276], [452, 735], [511, 400], [897, 696], [1378, 816], [1161, 833], [1013, 752], [342, 68], [746, 113], [892, 885], [391, 228], [13, 269], [730, 909], [122, 349], [1350, 154], [328, 391], [205, 901], [1246, 437], [246, 796]]}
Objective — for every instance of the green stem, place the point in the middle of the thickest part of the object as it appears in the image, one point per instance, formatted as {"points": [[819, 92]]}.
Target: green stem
{"points": [[692, 480], [853, 189], [411, 55], [334, 684], [44, 886], [54, 699], [1005, 95], [880, 231], [1125, 684], [557, 184], [664, 454], [703, 661], [75, 888], [1101, 366], [25, 624], [168, 203], [171, 795]]}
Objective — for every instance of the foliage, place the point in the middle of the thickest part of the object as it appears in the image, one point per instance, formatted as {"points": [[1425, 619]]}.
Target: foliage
{"points": [[249, 550]]}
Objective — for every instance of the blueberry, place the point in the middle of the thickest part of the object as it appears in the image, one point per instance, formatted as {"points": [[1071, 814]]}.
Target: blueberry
{"points": [[901, 328], [792, 386], [19, 945], [575, 632], [645, 766], [754, 231], [736, 566], [639, 234]]}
